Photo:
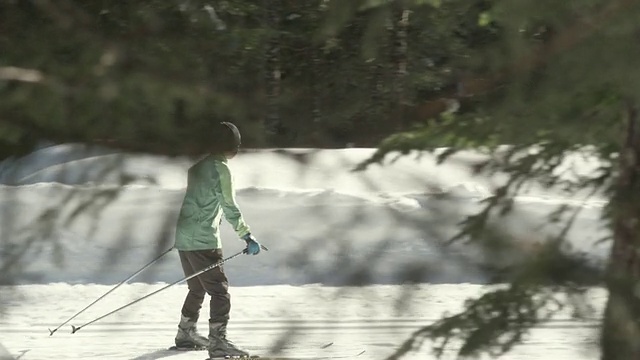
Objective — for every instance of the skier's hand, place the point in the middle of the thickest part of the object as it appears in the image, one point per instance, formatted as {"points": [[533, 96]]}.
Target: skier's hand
{"points": [[253, 246]]}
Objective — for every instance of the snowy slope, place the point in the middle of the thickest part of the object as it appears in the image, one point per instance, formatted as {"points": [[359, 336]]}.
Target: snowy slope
{"points": [[326, 227]]}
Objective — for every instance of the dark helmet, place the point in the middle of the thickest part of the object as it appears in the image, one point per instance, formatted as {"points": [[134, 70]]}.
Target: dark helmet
{"points": [[228, 137]]}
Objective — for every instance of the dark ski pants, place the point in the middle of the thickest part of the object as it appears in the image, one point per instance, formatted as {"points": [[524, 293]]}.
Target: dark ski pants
{"points": [[213, 282]]}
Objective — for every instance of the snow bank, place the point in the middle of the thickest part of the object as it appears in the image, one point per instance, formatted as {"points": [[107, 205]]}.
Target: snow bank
{"points": [[323, 222]]}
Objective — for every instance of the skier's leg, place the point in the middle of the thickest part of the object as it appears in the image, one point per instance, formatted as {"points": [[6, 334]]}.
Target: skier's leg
{"points": [[216, 285], [188, 336], [195, 296]]}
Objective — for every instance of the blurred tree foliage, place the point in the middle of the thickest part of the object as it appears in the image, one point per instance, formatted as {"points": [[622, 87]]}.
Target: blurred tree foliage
{"points": [[560, 86], [550, 78], [150, 75]]}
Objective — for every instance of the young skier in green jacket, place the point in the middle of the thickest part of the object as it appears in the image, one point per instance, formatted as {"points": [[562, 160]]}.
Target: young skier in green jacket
{"points": [[209, 196]]}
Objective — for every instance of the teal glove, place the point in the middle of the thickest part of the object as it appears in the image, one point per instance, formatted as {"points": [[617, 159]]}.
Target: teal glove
{"points": [[253, 246]]}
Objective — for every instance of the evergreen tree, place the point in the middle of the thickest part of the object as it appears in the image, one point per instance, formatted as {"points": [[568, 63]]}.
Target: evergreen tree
{"points": [[562, 81], [150, 75]]}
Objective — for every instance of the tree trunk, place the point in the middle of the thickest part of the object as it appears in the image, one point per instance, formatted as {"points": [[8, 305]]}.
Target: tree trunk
{"points": [[620, 338], [401, 64], [273, 72], [316, 93]]}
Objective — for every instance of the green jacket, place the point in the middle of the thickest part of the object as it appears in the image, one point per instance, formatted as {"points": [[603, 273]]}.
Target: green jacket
{"points": [[210, 194]]}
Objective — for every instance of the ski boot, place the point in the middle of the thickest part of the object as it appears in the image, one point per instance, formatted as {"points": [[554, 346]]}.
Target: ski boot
{"points": [[219, 346], [188, 336]]}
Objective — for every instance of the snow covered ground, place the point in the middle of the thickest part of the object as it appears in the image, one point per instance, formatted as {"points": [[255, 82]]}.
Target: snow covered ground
{"points": [[302, 319], [345, 250]]}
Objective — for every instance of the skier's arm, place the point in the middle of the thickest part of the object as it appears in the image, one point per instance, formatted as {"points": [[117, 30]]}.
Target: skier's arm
{"points": [[228, 201]]}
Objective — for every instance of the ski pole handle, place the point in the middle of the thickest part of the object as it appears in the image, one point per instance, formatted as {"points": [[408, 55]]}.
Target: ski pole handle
{"points": [[246, 250]]}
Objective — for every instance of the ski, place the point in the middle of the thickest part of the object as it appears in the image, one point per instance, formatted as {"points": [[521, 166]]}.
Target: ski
{"points": [[253, 357], [284, 357], [190, 348]]}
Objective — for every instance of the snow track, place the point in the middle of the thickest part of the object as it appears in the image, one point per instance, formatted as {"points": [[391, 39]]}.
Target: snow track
{"points": [[364, 339], [306, 322]]}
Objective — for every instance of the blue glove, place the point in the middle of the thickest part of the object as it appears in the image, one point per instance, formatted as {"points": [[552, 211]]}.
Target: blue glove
{"points": [[253, 246]]}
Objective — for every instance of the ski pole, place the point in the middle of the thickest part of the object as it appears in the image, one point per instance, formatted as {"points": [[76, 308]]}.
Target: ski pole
{"points": [[110, 291], [74, 329]]}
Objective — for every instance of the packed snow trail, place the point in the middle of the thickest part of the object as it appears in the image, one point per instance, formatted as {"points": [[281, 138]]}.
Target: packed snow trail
{"points": [[279, 320]]}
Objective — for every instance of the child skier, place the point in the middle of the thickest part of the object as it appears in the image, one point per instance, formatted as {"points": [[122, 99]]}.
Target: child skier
{"points": [[209, 195]]}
